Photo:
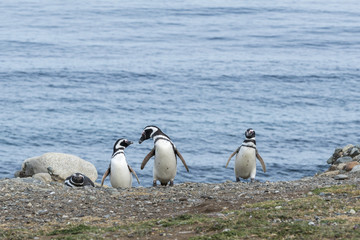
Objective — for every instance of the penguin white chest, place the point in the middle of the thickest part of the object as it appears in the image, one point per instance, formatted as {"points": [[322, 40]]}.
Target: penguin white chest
{"points": [[245, 163], [165, 161], [120, 175]]}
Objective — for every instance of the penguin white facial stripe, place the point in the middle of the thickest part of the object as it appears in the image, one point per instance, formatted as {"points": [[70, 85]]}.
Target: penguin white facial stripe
{"points": [[75, 183], [153, 130]]}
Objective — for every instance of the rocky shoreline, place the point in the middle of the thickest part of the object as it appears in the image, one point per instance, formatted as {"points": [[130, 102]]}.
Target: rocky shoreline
{"points": [[31, 205], [31, 208]]}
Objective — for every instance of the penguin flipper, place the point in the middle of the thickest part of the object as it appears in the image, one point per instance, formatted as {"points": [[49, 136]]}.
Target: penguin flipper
{"points": [[87, 181], [182, 159], [133, 172], [105, 175], [261, 161], [236, 151], [147, 158]]}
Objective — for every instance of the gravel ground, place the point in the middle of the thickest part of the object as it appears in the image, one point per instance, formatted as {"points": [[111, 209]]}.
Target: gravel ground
{"points": [[30, 204]]}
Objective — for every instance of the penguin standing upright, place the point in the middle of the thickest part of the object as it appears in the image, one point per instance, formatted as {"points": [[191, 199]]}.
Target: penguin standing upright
{"points": [[165, 155], [119, 170], [245, 161]]}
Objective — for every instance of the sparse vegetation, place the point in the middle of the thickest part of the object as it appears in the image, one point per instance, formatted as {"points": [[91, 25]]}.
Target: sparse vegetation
{"points": [[313, 216]]}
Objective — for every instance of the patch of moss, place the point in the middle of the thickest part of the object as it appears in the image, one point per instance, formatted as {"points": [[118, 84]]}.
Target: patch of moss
{"points": [[74, 230], [347, 189]]}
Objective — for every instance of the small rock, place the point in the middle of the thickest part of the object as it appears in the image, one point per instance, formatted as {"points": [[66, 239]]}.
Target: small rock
{"points": [[357, 158], [347, 147], [350, 165], [278, 207], [356, 168], [42, 212], [92, 198], [330, 160], [226, 230], [341, 166], [341, 177], [354, 152], [216, 188], [311, 223], [343, 160], [352, 211]]}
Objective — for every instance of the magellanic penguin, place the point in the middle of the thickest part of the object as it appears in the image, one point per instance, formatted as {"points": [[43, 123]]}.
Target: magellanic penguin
{"points": [[119, 170], [165, 156], [78, 180], [245, 161]]}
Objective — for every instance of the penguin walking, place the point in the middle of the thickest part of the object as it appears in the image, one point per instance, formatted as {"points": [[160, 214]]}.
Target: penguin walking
{"points": [[119, 170], [165, 153], [245, 161], [78, 180]]}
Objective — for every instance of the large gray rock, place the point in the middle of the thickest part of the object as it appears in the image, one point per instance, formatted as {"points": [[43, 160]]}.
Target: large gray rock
{"points": [[62, 165], [343, 160]]}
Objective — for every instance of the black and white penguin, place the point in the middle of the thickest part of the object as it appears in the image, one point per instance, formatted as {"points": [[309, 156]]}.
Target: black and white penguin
{"points": [[119, 170], [78, 180], [165, 156], [246, 154]]}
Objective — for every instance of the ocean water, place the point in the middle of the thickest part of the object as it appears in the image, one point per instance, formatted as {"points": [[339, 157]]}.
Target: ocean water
{"points": [[77, 75]]}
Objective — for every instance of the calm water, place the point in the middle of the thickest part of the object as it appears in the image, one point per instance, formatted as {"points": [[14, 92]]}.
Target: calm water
{"points": [[75, 76]]}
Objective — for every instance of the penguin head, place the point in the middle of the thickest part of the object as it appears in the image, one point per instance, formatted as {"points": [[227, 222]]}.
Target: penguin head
{"points": [[148, 132], [250, 133], [77, 178], [121, 143]]}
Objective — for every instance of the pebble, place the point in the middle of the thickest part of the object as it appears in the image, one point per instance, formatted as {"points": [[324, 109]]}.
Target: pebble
{"points": [[341, 177], [311, 223], [356, 169], [42, 212], [352, 211]]}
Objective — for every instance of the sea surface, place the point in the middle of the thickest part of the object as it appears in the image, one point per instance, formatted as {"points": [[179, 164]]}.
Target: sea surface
{"points": [[77, 75]]}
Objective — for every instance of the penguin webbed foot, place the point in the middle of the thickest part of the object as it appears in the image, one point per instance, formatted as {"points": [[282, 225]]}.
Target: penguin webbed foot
{"points": [[171, 183], [252, 180], [237, 179]]}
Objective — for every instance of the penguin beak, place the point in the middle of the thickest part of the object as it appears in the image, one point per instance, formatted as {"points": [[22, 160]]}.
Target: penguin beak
{"points": [[142, 138], [129, 142]]}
